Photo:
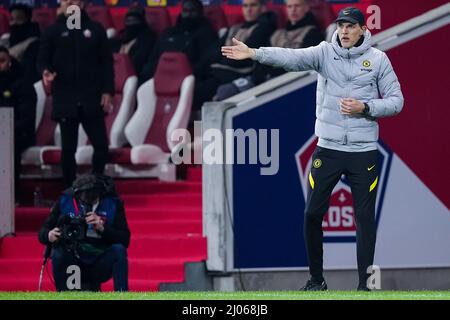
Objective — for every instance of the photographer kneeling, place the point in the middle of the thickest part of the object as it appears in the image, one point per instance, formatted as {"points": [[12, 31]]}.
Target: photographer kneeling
{"points": [[87, 228]]}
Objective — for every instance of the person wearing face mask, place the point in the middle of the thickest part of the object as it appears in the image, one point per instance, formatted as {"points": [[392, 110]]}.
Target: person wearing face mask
{"points": [[356, 86], [192, 35], [23, 42], [102, 251], [17, 92], [137, 39]]}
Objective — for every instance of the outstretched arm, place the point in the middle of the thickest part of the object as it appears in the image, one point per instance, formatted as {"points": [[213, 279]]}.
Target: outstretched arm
{"points": [[288, 59], [239, 51]]}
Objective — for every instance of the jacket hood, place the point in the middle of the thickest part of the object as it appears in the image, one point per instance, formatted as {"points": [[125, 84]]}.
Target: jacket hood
{"points": [[353, 52]]}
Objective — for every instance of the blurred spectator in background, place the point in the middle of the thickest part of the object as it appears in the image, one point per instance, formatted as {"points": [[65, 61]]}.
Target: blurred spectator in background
{"points": [[17, 91], [78, 63], [137, 39], [23, 42], [61, 7], [301, 31], [258, 27], [192, 34]]}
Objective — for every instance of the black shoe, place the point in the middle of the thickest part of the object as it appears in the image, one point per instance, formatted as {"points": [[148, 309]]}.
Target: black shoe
{"points": [[314, 286], [363, 288]]}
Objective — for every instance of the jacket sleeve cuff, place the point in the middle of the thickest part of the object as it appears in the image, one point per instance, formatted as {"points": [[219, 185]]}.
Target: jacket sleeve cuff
{"points": [[258, 55], [371, 108]]}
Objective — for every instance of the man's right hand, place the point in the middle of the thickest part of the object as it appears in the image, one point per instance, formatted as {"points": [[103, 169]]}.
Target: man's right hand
{"points": [[239, 51], [54, 235], [48, 77]]}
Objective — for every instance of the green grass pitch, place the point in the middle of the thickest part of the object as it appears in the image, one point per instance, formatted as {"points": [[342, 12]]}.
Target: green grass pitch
{"points": [[253, 295]]}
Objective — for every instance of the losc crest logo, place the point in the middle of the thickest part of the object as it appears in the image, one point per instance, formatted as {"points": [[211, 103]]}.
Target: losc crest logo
{"points": [[339, 221]]}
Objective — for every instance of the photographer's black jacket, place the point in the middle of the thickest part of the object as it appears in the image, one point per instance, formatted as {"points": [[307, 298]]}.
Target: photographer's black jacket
{"points": [[116, 231], [83, 62]]}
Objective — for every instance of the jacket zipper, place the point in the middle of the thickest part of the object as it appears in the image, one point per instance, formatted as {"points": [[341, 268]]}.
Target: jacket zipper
{"points": [[347, 96]]}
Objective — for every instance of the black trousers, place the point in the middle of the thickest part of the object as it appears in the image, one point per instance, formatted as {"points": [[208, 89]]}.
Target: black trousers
{"points": [[112, 263], [96, 131], [361, 169]]}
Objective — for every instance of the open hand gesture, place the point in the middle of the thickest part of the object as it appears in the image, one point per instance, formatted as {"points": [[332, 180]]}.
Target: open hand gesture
{"points": [[239, 51]]}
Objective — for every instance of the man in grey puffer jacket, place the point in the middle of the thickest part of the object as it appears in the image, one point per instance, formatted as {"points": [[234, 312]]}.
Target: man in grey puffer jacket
{"points": [[356, 85]]}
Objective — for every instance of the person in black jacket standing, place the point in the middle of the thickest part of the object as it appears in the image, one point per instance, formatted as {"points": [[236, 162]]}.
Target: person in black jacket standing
{"points": [[78, 63], [100, 251], [17, 92]]}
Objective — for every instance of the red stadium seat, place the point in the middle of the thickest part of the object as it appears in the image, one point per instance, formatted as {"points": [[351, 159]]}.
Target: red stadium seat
{"points": [[45, 126], [280, 11], [164, 104], [44, 16], [158, 18], [234, 18], [216, 17], [323, 11], [124, 103], [233, 14], [4, 22], [102, 15], [174, 13], [118, 17]]}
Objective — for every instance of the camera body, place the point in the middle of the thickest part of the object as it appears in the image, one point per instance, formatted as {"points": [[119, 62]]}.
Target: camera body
{"points": [[73, 233], [73, 230]]}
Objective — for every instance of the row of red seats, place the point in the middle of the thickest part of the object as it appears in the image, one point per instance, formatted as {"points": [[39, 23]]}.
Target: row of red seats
{"points": [[161, 18]]}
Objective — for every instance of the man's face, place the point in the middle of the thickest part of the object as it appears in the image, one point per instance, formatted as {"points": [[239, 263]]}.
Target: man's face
{"points": [[252, 9], [5, 62], [296, 10], [189, 10], [349, 33], [18, 17]]}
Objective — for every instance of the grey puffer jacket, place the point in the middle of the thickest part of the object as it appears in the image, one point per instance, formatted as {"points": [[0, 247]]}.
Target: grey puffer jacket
{"points": [[363, 73]]}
